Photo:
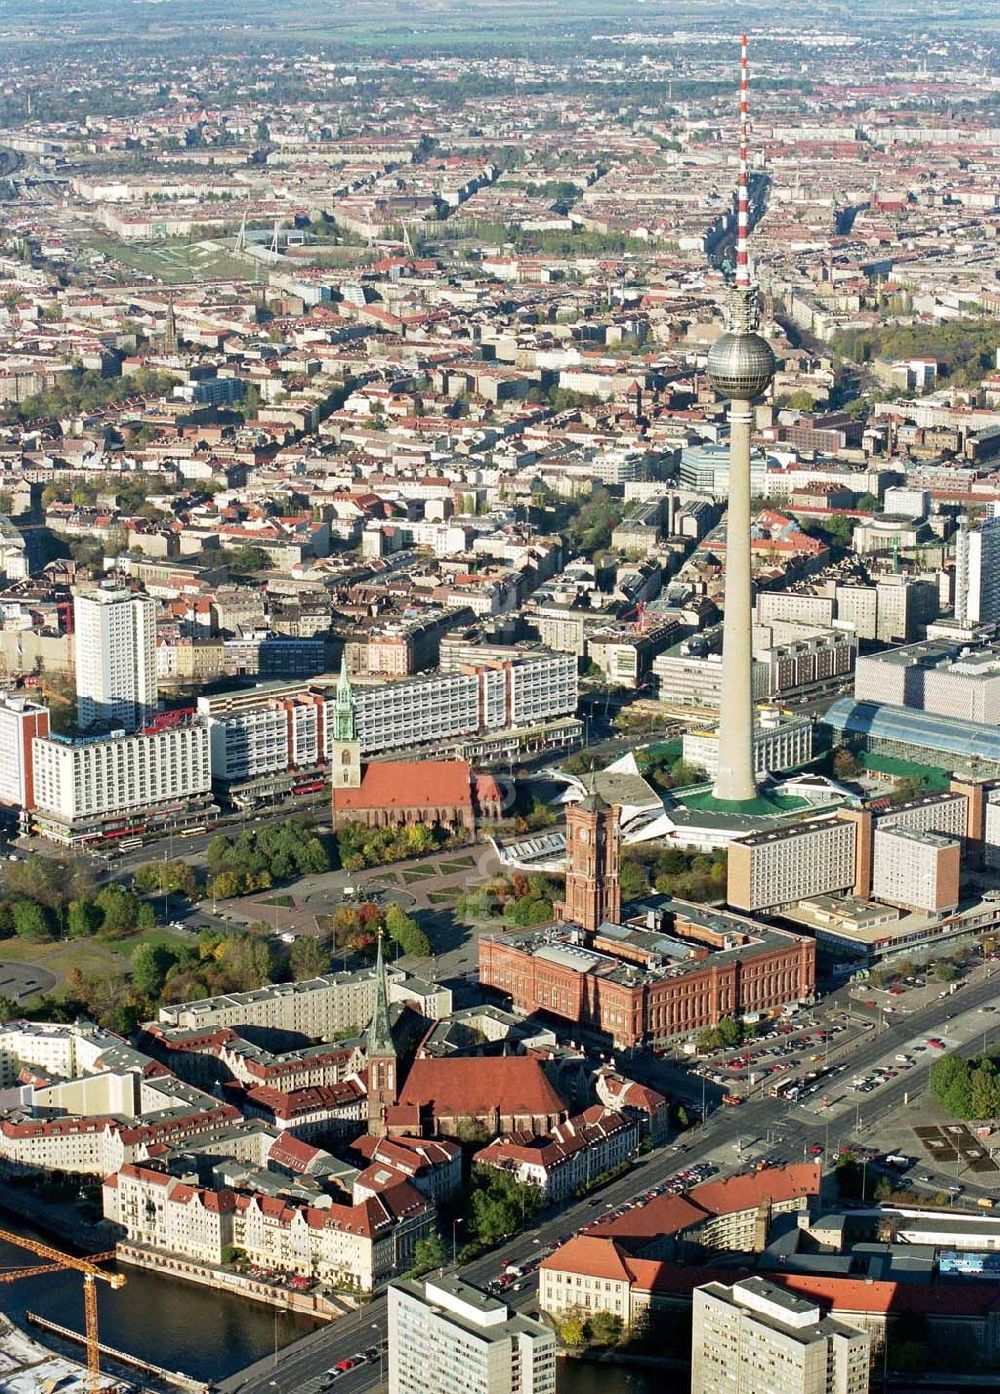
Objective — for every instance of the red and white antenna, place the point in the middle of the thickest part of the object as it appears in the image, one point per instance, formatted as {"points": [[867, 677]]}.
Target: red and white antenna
{"points": [[743, 197]]}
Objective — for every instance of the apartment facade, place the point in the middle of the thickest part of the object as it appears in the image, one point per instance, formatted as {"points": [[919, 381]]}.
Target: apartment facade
{"points": [[436, 707], [356, 1245], [977, 573], [87, 787], [572, 1155], [450, 1337], [780, 867], [114, 643], [916, 870], [21, 721], [320, 1007], [756, 1336]]}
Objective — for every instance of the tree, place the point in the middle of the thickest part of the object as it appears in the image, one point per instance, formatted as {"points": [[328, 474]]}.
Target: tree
{"points": [[571, 1328], [121, 911], [245, 959], [945, 971], [498, 1205], [8, 1008], [428, 1253], [150, 966], [83, 918], [247, 560], [907, 788], [605, 1328], [30, 920], [845, 764], [51, 880], [308, 958], [404, 930]]}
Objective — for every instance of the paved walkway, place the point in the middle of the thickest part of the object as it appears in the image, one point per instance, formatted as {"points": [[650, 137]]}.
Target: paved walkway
{"points": [[431, 884]]}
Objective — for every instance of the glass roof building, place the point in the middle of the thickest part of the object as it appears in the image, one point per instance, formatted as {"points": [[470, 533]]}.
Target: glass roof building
{"points": [[949, 742]]}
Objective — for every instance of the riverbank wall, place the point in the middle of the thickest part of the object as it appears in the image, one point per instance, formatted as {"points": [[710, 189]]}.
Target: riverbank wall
{"points": [[238, 1284]]}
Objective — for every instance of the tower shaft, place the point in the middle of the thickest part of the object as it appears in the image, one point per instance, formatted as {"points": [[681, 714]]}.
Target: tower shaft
{"points": [[735, 779]]}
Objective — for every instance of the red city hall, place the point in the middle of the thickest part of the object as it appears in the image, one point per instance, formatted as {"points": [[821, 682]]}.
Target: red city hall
{"points": [[675, 969]]}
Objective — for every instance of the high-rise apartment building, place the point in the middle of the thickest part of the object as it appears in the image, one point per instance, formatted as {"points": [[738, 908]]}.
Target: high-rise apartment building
{"points": [[755, 1337], [793, 863], [977, 573], [449, 1337], [114, 644], [87, 787], [916, 870], [20, 722]]}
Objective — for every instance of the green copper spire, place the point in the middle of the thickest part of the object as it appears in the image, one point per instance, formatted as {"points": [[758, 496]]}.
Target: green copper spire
{"points": [[379, 1038], [343, 710]]}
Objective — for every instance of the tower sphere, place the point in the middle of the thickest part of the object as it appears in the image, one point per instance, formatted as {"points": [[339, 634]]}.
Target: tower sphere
{"points": [[740, 366]]}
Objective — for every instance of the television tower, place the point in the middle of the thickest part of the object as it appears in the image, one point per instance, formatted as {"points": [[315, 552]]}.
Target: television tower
{"points": [[740, 367]]}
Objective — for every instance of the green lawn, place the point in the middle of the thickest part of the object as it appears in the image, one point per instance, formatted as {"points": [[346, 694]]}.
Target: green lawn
{"points": [[88, 955], [443, 897], [906, 769], [764, 806]]}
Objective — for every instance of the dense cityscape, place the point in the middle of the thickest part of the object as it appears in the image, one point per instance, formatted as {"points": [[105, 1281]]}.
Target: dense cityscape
{"points": [[499, 698]]}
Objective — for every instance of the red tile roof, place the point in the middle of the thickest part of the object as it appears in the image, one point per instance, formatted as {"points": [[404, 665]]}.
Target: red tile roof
{"points": [[467, 1086], [409, 784], [746, 1192]]}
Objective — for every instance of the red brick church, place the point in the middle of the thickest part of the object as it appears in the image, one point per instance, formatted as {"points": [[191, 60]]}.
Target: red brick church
{"points": [[388, 793]]}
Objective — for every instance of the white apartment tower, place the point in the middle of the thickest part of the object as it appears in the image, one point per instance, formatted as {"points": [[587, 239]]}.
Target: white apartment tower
{"points": [[755, 1337], [977, 573], [20, 722], [114, 644], [449, 1337]]}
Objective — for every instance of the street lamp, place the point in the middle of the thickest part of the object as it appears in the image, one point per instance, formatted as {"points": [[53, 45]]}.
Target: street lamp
{"points": [[381, 1353], [454, 1246]]}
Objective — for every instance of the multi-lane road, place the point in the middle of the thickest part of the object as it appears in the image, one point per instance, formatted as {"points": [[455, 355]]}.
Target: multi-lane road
{"points": [[301, 1367]]}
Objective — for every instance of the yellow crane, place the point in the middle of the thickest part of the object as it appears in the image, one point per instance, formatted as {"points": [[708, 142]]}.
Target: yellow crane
{"points": [[91, 1273]]}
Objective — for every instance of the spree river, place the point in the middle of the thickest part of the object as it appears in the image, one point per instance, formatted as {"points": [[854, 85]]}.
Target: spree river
{"points": [[206, 1333]]}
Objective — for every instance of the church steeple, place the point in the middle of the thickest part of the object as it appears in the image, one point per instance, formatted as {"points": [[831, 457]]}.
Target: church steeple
{"points": [[170, 328], [381, 1052], [345, 748], [343, 711]]}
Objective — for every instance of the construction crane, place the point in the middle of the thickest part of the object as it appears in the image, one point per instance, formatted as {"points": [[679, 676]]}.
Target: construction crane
{"points": [[86, 1266]]}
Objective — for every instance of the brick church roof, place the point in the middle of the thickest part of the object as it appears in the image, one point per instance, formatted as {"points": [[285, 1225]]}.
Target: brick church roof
{"points": [[409, 784]]}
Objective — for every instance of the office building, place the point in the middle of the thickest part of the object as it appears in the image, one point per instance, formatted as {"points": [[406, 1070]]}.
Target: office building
{"points": [[769, 869], [105, 785], [447, 1336], [20, 722], [924, 738], [977, 573], [706, 470], [741, 367], [779, 743], [916, 870], [756, 1336], [114, 644]]}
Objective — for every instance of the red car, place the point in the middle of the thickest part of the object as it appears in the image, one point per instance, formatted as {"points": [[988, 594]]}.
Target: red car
{"points": [[346, 1364], [816, 1150]]}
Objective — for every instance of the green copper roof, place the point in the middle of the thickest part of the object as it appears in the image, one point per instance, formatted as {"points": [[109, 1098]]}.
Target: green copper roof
{"points": [[343, 709], [379, 1036]]}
